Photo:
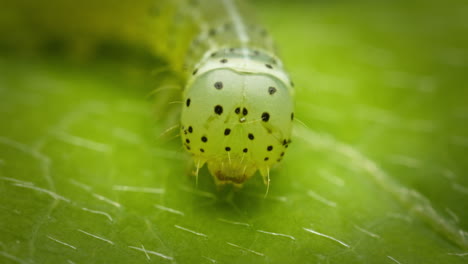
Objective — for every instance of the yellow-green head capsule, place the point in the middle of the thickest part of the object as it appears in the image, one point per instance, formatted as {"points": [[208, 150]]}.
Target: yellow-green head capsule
{"points": [[237, 114]]}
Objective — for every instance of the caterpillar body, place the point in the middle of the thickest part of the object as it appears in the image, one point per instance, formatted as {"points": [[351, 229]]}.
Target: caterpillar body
{"points": [[237, 111]]}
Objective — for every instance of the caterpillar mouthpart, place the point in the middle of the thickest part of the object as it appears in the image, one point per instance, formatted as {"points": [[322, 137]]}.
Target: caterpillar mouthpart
{"points": [[232, 170]]}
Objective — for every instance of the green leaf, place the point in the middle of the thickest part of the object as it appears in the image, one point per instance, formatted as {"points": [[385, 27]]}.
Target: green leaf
{"points": [[375, 174]]}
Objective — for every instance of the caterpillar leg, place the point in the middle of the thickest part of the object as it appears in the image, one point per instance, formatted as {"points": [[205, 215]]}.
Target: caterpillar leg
{"points": [[265, 172], [198, 165]]}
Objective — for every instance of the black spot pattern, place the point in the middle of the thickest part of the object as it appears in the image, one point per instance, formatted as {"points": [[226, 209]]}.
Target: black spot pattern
{"points": [[274, 149], [218, 109], [271, 90], [218, 85]]}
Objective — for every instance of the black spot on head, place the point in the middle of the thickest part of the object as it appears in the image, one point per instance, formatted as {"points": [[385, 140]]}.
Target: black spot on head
{"points": [[266, 159], [270, 148], [286, 146], [187, 140], [285, 142], [292, 116], [204, 139], [237, 110], [251, 136], [218, 85], [282, 154], [271, 90], [269, 66], [245, 150], [218, 109], [265, 117], [185, 132], [227, 131], [190, 129], [223, 61], [187, 103], [227, 148], [188, 147], [244, 111], [194, 71], [278, 160], [202, 150]]}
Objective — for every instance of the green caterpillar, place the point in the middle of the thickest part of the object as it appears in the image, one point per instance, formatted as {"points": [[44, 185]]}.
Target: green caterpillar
{"points": [[238, 107]]}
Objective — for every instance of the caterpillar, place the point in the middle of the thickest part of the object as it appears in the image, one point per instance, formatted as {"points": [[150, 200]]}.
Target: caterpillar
{"points": [[238, 106]]}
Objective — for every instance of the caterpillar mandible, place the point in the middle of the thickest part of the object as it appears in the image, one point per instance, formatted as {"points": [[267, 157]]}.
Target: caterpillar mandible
{"points": [[238, 107]]}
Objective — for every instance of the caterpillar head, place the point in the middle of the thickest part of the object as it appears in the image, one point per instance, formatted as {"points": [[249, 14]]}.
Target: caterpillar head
{"points": [[237, 120]]}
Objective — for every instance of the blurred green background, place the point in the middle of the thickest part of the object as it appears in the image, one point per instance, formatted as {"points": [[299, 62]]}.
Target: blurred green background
{"points": [[377, 173]]}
